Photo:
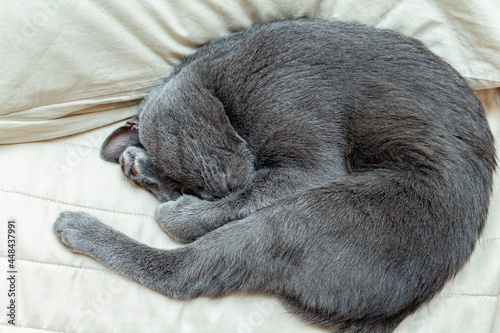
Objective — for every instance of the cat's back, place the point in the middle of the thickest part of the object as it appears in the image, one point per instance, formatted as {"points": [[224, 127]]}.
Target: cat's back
{"points": [[342, 64], [334, 47], [340, 71], [345, 85], [337, 62]]}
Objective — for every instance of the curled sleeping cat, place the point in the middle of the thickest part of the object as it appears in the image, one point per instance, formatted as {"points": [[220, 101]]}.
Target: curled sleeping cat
{"points": [[341, 168]]}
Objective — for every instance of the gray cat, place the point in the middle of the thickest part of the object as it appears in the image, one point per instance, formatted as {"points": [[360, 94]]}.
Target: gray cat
{"points": [[344, 169]]}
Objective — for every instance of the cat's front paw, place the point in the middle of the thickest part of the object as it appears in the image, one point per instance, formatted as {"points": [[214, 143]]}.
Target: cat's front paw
{"points": [[185, 219], [135, 164], [78, 231], [137, 167]]}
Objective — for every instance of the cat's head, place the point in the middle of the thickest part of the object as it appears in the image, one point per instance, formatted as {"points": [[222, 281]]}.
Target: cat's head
{"points": [[190, 142]]}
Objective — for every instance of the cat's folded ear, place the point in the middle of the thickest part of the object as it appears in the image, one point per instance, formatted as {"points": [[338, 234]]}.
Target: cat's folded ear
{"points": [[123, 137]]}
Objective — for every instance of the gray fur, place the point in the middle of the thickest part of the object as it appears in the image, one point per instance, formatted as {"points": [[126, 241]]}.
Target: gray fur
{"points": [[344, 169]]}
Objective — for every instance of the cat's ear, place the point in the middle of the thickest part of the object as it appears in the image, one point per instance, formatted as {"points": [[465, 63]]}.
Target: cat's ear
{"points": [[123, 137], [224, 123]]}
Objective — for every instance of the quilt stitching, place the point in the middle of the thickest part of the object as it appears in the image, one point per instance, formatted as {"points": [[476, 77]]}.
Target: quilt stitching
{"points": [[22, 328], [85, 269], [468, 296], [74, 145], [75, 205], [489, 240]]}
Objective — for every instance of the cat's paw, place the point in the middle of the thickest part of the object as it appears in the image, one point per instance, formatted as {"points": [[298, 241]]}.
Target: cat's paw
{"points": [[137, 167], [78, 231], [135, 164], [185, 219]]}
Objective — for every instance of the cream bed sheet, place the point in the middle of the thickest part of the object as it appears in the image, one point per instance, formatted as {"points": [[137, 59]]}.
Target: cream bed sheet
{"points": [[71, 68]]}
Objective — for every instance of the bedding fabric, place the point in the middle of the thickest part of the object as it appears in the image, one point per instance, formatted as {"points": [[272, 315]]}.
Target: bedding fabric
{"points": [[76, 69]]}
